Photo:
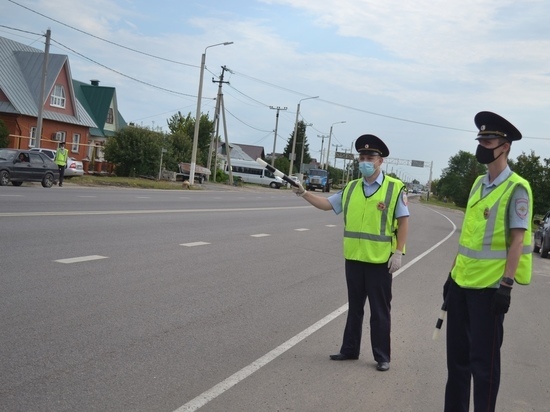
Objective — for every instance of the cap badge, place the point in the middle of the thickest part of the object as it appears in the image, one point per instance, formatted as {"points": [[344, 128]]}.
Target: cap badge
{"points": [[482, 128], [367, 146]]}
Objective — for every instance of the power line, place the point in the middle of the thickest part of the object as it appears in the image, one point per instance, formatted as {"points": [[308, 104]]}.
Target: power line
{"points": [[122, 74], [102, 39]]}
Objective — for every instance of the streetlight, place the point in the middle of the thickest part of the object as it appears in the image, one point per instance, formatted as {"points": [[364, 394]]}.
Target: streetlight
{"points": [[198, 116], [295, 132], [303, 144], [328, 147], [323, 137]]}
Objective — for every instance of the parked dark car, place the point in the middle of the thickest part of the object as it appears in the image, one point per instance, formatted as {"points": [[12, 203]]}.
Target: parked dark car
{"points": [[18, 166], [542, 235]]}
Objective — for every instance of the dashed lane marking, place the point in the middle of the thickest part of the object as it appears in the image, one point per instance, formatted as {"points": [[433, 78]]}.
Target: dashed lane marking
{"points": [[81, 259], [261, 235], [191, 244]]}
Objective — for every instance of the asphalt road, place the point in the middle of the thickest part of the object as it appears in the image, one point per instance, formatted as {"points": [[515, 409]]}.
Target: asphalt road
{"points": [[224, 300]]}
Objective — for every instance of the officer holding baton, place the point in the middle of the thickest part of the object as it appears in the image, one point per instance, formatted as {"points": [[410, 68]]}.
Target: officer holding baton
{"points": [[375, 215]]}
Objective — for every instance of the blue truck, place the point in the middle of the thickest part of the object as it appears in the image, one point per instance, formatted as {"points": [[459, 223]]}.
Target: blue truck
{"points": [[318, 179]]}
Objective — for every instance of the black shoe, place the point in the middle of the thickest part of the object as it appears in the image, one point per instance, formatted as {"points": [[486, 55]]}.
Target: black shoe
{"points": [[341, 356], [383, 366]]}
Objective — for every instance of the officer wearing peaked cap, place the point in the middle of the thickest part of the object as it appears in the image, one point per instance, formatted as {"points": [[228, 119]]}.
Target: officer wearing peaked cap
{"points": [[494, 252], [376, 224], [370, 144], [492, 126]]}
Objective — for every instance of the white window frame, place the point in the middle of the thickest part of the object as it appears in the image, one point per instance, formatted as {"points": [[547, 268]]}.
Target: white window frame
{"points": [[76, 143], [110, 116], [57, 98], [32, 141]]}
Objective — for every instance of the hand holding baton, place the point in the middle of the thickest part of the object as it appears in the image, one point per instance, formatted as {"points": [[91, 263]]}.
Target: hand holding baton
{"points": [[440, 320], [277, 172]]}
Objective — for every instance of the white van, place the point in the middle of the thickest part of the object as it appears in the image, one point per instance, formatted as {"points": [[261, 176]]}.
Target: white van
{"points": [[251, 172]]}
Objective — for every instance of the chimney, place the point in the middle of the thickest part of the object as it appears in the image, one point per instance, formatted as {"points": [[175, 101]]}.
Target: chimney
{"points": [[94, 82]]}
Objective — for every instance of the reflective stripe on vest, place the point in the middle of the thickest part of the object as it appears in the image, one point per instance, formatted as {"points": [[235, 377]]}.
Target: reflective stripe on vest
{"points": [[482, 265], [375, 243], [61, 157]]}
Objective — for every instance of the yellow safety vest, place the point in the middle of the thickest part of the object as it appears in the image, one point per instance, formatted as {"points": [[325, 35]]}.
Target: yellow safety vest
{"points": [[484, 241], [61, 157], [370, 225]]}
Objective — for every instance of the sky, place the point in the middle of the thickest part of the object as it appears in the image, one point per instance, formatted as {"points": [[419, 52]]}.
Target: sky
{"points": [[412, 73]]}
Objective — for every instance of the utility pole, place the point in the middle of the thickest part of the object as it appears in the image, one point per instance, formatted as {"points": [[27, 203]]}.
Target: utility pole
{"points": [[327, 163], [227, 149], [335, 151], [344, 168], [216, 120], [276, 126], [303, 145], [323, 137], [42, 97]]}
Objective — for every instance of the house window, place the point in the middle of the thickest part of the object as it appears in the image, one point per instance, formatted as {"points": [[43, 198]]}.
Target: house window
{"points": [[76, 143], [109, 116], [32, 142], [60, 136], [58, 96]]}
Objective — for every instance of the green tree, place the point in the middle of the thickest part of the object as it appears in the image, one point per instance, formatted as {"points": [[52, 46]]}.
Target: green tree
{"points": [[538, 175], [135, 151], [184, 130], [301, 138], [282, 163], [4, 133], [457, 179]]}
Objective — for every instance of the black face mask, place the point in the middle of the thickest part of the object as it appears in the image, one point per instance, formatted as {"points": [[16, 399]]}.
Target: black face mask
{"points": [[485, 155]]}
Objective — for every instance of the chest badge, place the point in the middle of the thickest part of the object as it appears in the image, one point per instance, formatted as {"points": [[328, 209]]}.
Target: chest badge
{"points": [[381, 206], [486, 213]]}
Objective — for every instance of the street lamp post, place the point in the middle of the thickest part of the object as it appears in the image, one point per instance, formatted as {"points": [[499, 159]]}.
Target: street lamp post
{"points": [[198, 116], [295, 132], [329, 137], [323, 137], [303, 144]]}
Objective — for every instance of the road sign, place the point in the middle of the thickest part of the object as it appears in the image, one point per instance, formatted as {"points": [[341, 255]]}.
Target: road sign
{"points": [[344, 155]]}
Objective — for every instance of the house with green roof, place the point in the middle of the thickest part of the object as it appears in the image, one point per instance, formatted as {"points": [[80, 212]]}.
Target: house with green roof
{"points": [[82, 115]]}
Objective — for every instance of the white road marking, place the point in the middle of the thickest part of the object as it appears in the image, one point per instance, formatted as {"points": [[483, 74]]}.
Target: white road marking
{"points": [[260, 235], [331, 225], [81, 259], [194, 244], [145, 212], [245, 372], [301, 230], [228, 383]]}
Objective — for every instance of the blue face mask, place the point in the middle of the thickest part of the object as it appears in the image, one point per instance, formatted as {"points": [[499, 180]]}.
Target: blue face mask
{"points": [[367, 169]]}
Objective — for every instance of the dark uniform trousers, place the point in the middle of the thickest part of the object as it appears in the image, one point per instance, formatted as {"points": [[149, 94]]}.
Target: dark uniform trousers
{"points": [[372, 281], [61, 173], [474, 338]]}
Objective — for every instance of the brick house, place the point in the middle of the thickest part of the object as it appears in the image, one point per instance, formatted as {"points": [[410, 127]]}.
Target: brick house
{"points": [[70, 113]]}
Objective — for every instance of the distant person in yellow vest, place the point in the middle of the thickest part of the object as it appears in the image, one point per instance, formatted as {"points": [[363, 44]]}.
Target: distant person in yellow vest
{"points": [[494, 251], [60, 159], [375, 230]]}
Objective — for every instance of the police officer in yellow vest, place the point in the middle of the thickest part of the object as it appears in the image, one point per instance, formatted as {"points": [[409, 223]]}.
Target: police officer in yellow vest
{"points": [[494, 252], [60, 160], [375, 230]]}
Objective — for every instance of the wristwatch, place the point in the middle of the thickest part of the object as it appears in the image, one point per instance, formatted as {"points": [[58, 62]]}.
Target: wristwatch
{"points": [[508, 281]]}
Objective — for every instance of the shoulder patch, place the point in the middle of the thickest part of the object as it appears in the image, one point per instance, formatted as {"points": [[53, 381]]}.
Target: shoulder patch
{"points": [[404, 198], [522, 208]]}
